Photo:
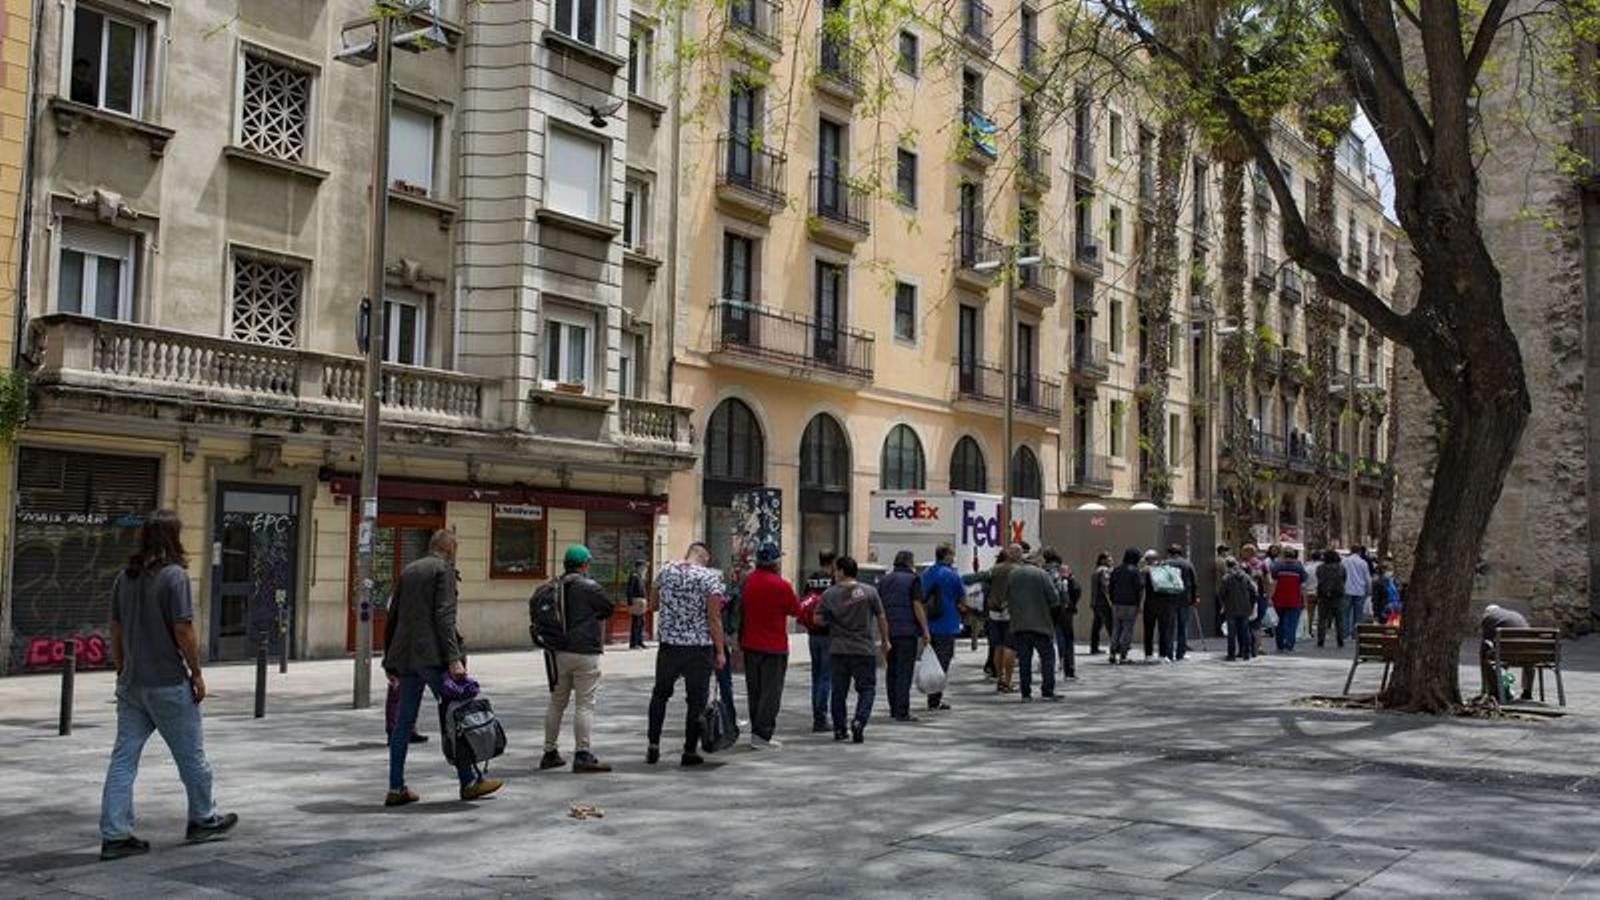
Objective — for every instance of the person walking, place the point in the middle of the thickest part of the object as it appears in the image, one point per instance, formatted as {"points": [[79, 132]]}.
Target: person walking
{"points": [[1125, 590], [687, 598], [636, 595], [996, 581], [857, 630], [1238, 594], [1034, 601], [420, 645], [769, 600], [901, 593], [1331, 599], [159, 687], [1069, 593], [1358, 579], [1187, 602], [943, 595], [1100, 602], [1155, 608], [1288, 597], [573, 667], [817, 584]]}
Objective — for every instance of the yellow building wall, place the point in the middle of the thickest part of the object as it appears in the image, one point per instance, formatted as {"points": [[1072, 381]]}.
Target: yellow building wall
{"points": [[16, 43]]}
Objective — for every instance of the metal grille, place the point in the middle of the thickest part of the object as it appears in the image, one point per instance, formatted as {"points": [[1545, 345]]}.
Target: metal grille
{"points": [[275, 109], [266, 301]]}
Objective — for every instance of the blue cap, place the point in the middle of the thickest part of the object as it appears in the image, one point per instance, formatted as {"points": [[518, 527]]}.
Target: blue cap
{"points": [[768, 553]]}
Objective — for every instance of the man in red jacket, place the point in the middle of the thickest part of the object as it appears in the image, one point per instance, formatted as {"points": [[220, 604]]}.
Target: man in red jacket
{"points": [[768, 602]]}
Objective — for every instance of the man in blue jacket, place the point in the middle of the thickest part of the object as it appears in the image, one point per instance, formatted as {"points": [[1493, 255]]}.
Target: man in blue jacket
{"points": [[943, 593], [901, 594]]}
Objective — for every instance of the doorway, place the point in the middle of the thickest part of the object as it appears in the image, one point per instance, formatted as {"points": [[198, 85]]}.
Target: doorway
{"points": [[616, 542], [404, 529], [256, 544]]}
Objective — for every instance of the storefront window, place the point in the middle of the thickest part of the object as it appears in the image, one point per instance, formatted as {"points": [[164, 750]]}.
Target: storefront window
{"points": [[517, 541]]}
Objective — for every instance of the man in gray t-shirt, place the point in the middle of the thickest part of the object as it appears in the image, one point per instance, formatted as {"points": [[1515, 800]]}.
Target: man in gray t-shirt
{"points": [[857, 630], [147, 607]]}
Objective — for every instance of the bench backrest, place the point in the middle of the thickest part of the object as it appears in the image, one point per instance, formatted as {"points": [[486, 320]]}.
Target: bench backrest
{"points": [[1528, 646], [1379, 643]]}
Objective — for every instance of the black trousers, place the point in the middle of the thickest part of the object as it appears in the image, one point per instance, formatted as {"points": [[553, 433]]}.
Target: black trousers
{"points": [[862, 671], [944, 649], [763, 686], [1102, 619], [902, 666], [693, 665], [1151, 614]]}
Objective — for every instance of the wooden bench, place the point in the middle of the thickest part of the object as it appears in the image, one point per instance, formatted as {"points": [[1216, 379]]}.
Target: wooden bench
{"points": [[1534, 649], [1375, 643]]}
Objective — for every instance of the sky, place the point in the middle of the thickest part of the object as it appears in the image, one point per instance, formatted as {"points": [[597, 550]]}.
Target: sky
{"points": [[1377, 160]]}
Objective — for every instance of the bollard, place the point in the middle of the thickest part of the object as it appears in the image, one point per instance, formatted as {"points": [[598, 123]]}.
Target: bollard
{"points": [[69, 677], [283, 632], [261, 678]]}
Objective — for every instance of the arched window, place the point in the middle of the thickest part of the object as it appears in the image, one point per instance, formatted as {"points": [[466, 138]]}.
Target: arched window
{"points": [[968, 472], [903, 468], [735, 449], [824, 456], [1026, 480]]}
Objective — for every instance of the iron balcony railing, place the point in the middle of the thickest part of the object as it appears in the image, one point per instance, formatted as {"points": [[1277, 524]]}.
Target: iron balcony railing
{"points": [[742, 162], [835, 199], [793, 339], [975, 24], [1036, 163], [840, 61], [1087, 253], [1264, 270], [1092, 471], [977, 380], [1268, 448], [1090, 357], [757, 18], [1300, 452], [974, 246], [1290, 285], [1038, 278]]}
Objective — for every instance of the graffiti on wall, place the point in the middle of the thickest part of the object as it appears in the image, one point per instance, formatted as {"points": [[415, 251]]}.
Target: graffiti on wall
{"points": [[92, 651], [63, 568]]}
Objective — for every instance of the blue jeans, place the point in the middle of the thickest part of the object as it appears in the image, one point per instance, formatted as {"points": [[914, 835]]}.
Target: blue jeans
{"points": [[725, 684], [141, 711], [1026, 642], [411, 684], [1288, 626], [821, 677], [862, 670], [1352, 613], [1240, 641], [1181, 628], [1064, 646]]}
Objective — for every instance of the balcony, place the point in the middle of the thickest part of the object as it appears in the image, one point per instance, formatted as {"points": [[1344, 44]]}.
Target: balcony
{"points": [[977, 146], [1263, 271], [214, 376], [1268, 449], [647, 423], [1091, 473], [1086, 258], [1034, 175], [1083, 160], [1036, 283], [756, 23], [750, 177], [839, 69], [1301, 458], [1265, 364], [1371, 472], [1090, 359], [1200, 302], [980, 387], [975, 29], [1290, 287], [1292, 367], [792, 345], [971, 248], [838, 211]]}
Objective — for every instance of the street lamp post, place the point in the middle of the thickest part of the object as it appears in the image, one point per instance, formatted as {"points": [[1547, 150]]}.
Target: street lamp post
{"points": [[1010, 260]]}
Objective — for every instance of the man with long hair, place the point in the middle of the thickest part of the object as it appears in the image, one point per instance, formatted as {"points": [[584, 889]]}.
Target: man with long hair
{"points": [[159, 687]]}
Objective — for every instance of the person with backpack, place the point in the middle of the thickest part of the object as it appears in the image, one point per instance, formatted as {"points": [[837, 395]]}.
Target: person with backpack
{"points": [[1288, 597], [769, 601], [687, 599], [1238, 594], [1187, 603], [1170, 583], [635, 594], [159, 688], [568, 618], [1152, 612], [857, 629], [996, 582], [1331, 597], [1100, 602], [1125, 586], [901, 593], [420, 645], [817, 583], [943, 595], [1069, 594]]}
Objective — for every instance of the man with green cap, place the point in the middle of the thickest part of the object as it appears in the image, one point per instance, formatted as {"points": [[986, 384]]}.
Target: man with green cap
{"points": [[574, 669]]}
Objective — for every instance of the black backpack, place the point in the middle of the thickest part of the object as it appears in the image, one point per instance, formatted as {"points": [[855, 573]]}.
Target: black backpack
{"points": [[470, 733], [547, 615]]}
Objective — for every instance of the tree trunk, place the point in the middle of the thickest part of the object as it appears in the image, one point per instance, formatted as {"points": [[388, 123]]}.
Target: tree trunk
{"points": [[1322, 341], [1238, 494], [1386, 509], [1156, 310]]}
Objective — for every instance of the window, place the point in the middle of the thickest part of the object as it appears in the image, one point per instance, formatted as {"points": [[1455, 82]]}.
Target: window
{"points": [[635, 213], [517, 541], [735, 447], [1116, 428], [566, 347], [632, 352], [405, 328], [824, 455], [1116, 326], [738, 268], [275, 109], [575, 172], [968, 471], [910, 53], [1115, 136], [1114, 229], [95, 272], [1174, 440], [641, 59], [903, 467], [905, 311], [1026, 480], [905, 177], [1174, 346], [413, 140], [107, 61], [580, 20], [266, 300]]}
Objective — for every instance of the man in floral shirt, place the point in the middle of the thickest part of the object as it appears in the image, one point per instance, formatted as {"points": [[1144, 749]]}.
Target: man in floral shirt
{"points": [[687, 599]]}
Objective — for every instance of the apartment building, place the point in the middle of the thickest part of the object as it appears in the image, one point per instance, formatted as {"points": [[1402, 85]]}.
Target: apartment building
{"points": [[16, 37], [199, 196]]}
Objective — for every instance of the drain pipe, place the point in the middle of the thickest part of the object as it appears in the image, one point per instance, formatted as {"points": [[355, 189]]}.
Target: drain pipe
{"points": [[673, 204]]}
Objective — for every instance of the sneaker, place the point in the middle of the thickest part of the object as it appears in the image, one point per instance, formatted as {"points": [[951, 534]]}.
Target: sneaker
{"points": [[483, 787], [121, 849], [690, 760], [652, 755], [584, 761], [418, 738], [551, 760], [400, 797], [757, 743], [839, 734], [214, 830], [941, 707], [858, 733]]}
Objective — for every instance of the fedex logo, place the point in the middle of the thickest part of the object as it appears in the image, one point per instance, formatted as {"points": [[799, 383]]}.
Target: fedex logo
{"points": [[916, 510], [979, 530]]}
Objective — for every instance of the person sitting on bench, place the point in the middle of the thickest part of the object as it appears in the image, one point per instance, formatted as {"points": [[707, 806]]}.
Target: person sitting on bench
{"points": [[1495, 618]]}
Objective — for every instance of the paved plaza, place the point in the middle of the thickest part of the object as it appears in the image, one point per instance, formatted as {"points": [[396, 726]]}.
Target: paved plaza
{"points": [[1203, 779]]}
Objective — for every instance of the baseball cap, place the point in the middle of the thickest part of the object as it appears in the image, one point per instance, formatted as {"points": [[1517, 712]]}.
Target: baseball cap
{"points": [[768, 552], [576, 555]]}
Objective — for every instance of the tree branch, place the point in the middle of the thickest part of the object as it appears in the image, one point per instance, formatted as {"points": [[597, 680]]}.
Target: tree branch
{"points": [[1388, 69], [1488, 27]]}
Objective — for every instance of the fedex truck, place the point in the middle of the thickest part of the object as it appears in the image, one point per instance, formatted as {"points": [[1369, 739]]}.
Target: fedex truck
{"points": [[920, 521]]}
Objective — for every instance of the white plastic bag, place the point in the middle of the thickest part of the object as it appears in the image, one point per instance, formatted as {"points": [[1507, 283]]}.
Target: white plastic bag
{"points": [[929, 675], [1269, 619]]}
